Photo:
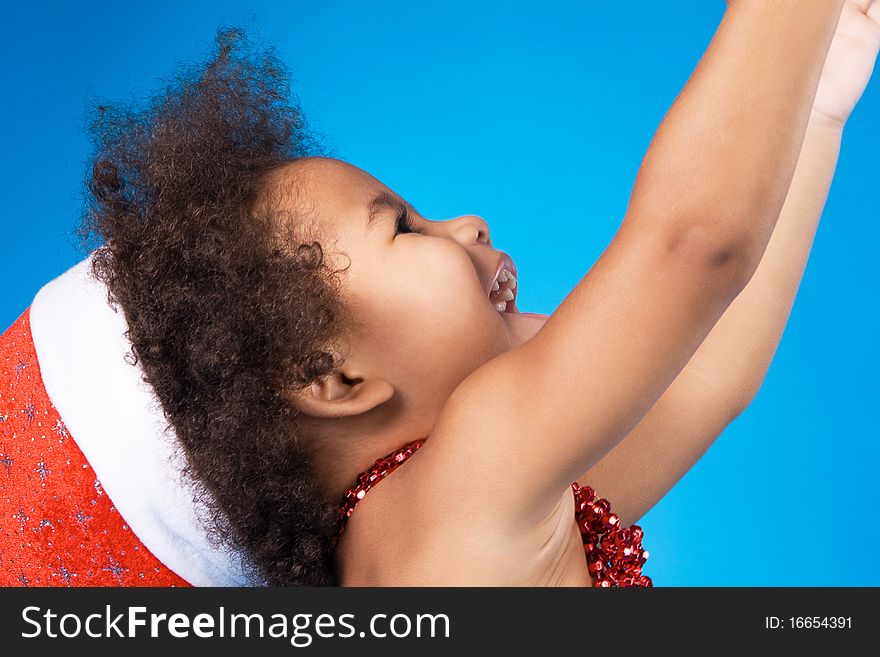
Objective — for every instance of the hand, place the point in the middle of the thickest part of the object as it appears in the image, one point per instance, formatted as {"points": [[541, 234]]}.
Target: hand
{"points": [[849, 63]]}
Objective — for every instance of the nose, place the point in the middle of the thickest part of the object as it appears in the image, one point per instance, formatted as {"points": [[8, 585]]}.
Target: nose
{"points": [[469, 229]]}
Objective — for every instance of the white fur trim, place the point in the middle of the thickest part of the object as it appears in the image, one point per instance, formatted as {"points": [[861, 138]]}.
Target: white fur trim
{"points": [[117, 422]]}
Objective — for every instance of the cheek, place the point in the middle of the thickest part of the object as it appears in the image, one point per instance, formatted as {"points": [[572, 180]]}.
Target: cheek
{"points": [[446, 319], [451, 289]]}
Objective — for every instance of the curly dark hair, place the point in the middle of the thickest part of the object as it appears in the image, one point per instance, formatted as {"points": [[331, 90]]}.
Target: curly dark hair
{"points": [[225, 311]]}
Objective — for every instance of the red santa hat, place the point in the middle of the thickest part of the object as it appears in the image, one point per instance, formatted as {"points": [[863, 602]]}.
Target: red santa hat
{"points": [[91, 489]]}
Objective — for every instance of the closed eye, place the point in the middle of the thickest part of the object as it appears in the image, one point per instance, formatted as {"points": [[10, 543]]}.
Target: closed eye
{"points": [[404, 222]]}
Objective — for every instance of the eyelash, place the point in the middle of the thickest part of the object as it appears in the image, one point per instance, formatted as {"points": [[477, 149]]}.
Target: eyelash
{"points": [[404, 220]]}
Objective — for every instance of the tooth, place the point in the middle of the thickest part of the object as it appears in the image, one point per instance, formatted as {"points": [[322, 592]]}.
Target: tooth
{"points": [[502, 277], [496, 287], [507, 295], [501, 306], [512, 282]]}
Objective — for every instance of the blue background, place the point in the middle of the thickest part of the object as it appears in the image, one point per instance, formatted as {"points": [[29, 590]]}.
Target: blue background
{"points": [[535, 117]]}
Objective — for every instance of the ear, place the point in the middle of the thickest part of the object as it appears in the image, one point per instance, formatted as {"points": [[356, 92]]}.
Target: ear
{"points": [[340, 394]]}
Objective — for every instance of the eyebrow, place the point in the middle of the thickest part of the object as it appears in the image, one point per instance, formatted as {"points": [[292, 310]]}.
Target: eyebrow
{"points": [[384, 200]]}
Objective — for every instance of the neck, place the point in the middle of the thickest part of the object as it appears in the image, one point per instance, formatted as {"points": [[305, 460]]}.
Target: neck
{"points": [[342, 448]]}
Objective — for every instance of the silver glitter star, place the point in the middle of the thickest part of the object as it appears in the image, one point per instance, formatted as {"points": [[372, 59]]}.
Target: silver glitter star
{"points": [[30, 411], [5, 460], [60, 429], [98, 489], [43, 470], [21, 517], [3, 417], [116, 569], [66, 575], [82, 518], [45, 522], [19, 369], [24, 581]]}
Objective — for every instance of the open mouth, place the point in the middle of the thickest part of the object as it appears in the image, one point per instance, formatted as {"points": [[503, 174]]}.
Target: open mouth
{"points": [[503, 293]]}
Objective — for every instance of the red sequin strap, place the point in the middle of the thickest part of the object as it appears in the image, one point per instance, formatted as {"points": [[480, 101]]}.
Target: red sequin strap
{"points": [[614, 554], [369, 478]]}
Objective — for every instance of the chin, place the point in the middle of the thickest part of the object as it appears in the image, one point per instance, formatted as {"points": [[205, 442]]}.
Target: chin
{"points": [[522, 327]]}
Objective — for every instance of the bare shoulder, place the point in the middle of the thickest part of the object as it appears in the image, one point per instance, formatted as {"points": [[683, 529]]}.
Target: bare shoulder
{"points": [[421, 528]]}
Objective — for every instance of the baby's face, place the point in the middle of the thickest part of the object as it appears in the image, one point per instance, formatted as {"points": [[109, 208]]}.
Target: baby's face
{"points": [[421, 299]]}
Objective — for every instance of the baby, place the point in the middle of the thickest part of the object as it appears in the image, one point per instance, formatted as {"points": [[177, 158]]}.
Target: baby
{"points": [[296, 319]]}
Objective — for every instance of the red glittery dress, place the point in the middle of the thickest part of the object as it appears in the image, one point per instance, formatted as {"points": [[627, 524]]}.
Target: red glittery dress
{"points": [[613, 553]]}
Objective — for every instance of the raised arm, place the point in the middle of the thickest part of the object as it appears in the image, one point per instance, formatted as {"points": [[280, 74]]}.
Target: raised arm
{"points": [[702, 211], [725, 373]]}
